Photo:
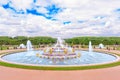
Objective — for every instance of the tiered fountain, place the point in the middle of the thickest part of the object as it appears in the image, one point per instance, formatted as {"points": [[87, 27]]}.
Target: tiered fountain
{"points": [[59, 54], [59, 51]]}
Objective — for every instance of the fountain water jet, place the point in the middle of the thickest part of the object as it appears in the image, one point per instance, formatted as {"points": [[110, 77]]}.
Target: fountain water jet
{"points": [[59, 42], [90, 47], [29, 46], [101, 46], [29, 49]]}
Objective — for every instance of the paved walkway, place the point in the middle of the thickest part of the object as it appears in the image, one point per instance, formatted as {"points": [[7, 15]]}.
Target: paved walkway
{"points": [[7, 73], [112, 73]]}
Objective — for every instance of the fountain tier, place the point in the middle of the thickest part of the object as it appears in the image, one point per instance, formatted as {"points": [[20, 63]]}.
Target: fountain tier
{"points": [[59, 51]]}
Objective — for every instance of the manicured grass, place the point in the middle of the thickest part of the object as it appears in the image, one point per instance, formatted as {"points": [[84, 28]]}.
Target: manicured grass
{"points": [[59, 68]]}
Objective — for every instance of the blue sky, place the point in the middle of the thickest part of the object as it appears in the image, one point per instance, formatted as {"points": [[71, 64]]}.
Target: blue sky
{"points": [[61, 18]]}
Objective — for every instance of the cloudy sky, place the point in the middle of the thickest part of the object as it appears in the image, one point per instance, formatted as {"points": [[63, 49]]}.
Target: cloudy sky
{"points": [[63, 18]]}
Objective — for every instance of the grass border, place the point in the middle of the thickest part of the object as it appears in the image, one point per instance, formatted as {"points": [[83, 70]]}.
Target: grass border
{"points": [[61, 68]]}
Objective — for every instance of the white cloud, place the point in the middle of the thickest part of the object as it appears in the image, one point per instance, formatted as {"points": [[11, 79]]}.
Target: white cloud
{"points": [[73, 10], [42, 10], [22, 4], [4, 1], [3, 12]]}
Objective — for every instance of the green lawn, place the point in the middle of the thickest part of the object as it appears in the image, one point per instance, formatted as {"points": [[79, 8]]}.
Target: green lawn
{"points": [[59, 68]]}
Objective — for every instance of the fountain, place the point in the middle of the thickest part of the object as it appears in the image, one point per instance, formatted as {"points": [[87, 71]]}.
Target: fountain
{"points": [[29, 49], [59, 42], [90, 47], [59, 54], [29, 46], [59, 51], [101, 46], [22, 46]]}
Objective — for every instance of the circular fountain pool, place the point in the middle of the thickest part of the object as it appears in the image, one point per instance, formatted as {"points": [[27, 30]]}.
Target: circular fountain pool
{"points": [[86, 58]]}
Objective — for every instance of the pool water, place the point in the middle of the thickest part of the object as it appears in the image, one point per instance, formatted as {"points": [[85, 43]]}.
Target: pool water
{"points": [[85, 58]]}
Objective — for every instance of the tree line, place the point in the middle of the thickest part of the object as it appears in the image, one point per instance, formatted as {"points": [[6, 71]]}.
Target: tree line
{"points": [[5, 40], [94, 40]]}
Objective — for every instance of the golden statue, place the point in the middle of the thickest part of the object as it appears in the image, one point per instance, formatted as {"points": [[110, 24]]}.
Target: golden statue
{"points": [[79, 54], [44, 50], [73, 50], [65, 51], [37, 54], [51, 51]]}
